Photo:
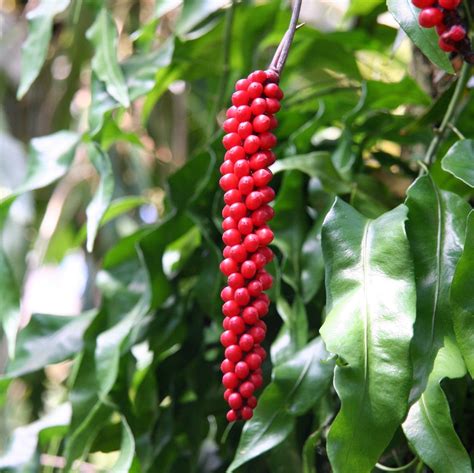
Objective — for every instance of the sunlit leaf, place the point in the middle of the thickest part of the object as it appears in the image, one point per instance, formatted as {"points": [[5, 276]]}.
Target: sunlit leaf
{"points": [[459, 161]]}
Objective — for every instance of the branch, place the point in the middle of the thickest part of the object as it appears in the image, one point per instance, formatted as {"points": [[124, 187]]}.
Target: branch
{"points": [[281, 54]]}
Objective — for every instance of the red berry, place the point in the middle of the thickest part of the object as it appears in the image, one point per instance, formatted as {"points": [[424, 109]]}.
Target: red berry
{"points": [[242, 84], [257, 333], [266, 280], [260, 351], [231, 112], [237, 325], [267, 140], [227, 393], [255, 288], [225, 323], [230, 125], [449, 4], [273, 122], [242, 296], [228, 338], [252, 402], [227, 167], [245, 226], [227, 294], [441, 28], [268, 194], [423, 3], [227, 366], [262, 177], [245, 129], [265, 236], [241, 168], [238, 253], [246, 342], [230, 140], [255, 90], [243, 113], [261, 123], [267, 253], [228, 266], [241, 370], [456, 33], [238, 210], [262, 307], [228, 224], [232, 196], [231, 309], [226, 252], [246, 389], [259, 260], [273, 91], [273, 106], [231, 416], [230, 380], [247, 413], [258, 106], [272, 76], [445, 46], [430, 17], [235, 153], [250, 315], [258, 76], [251, 242], [228, 182], [256, 380], [233, 353], [246, 185], [251, 144], [254, 200], [236, 280], [241, 97], [248, 269], [252, 359], [235, 401], [231, 237]]}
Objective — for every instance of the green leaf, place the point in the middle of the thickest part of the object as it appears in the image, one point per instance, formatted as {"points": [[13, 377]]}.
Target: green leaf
{"points": [[48, 339], [459, 161], [362, 7], [195, 11], [436, 229], [49, 158], [296, 386], [429, 427], [371, 303], [406, 14], [10, 306], [165, 6], [127, 448], [462, 298], [309, 450], [103, 196], [103, 35], [23, 444], [35, 48]]}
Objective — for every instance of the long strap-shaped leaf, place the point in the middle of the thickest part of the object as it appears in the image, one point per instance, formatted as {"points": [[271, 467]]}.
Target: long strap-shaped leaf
{"points": [[371, 302], [429, 427], [436, 231]]}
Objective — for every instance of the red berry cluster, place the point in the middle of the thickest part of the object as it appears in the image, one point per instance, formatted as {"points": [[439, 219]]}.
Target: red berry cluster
{"points": [[245, 178], [445, 17]]}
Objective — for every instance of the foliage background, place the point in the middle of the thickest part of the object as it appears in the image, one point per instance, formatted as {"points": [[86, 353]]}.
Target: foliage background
{"points": [[115, 253]]}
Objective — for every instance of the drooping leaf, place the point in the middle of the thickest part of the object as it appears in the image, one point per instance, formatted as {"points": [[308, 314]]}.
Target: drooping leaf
{"points": [[24, 441], [103, 196], [429, 427], [35, 48], [127, 448], [371, 303], [103, 35], [436, 229], [296, 386], [48, 339], [462, 298], [195, 11], [459, 161], [406, 14], [10, 305]]}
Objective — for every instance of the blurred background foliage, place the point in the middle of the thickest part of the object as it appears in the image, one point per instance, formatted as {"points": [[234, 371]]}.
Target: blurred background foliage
{"points": [[117, 365]]}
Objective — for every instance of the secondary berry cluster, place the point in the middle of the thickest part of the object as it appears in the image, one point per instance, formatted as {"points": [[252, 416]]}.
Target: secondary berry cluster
{"points": [[445, 16], [245, 181]]}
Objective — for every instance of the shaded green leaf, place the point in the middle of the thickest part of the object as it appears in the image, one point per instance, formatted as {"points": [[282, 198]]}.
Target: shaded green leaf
{"points": [[35, 48], [103, 35], [459, 161], [406, 14], [195, 11], [371, 303], [103, 195], [429, 427], [296, 387], [462, 297], [436, 229]]}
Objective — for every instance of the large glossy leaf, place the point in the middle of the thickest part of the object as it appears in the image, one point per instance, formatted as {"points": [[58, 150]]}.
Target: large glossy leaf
{"points": [[103, 195], [49, 158], [10, 305], [459, 161], [296, 387], [195, 11], [103, 35], [429, 427], [48, 339], [371, 302], [462, 298], [406, 14], [22, 446], [436, 230], [35, 48]]}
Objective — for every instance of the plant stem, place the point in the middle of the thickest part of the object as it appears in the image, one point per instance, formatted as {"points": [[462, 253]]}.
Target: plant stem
{"points": [[448, 116], [281, 54], [398, 468]]}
